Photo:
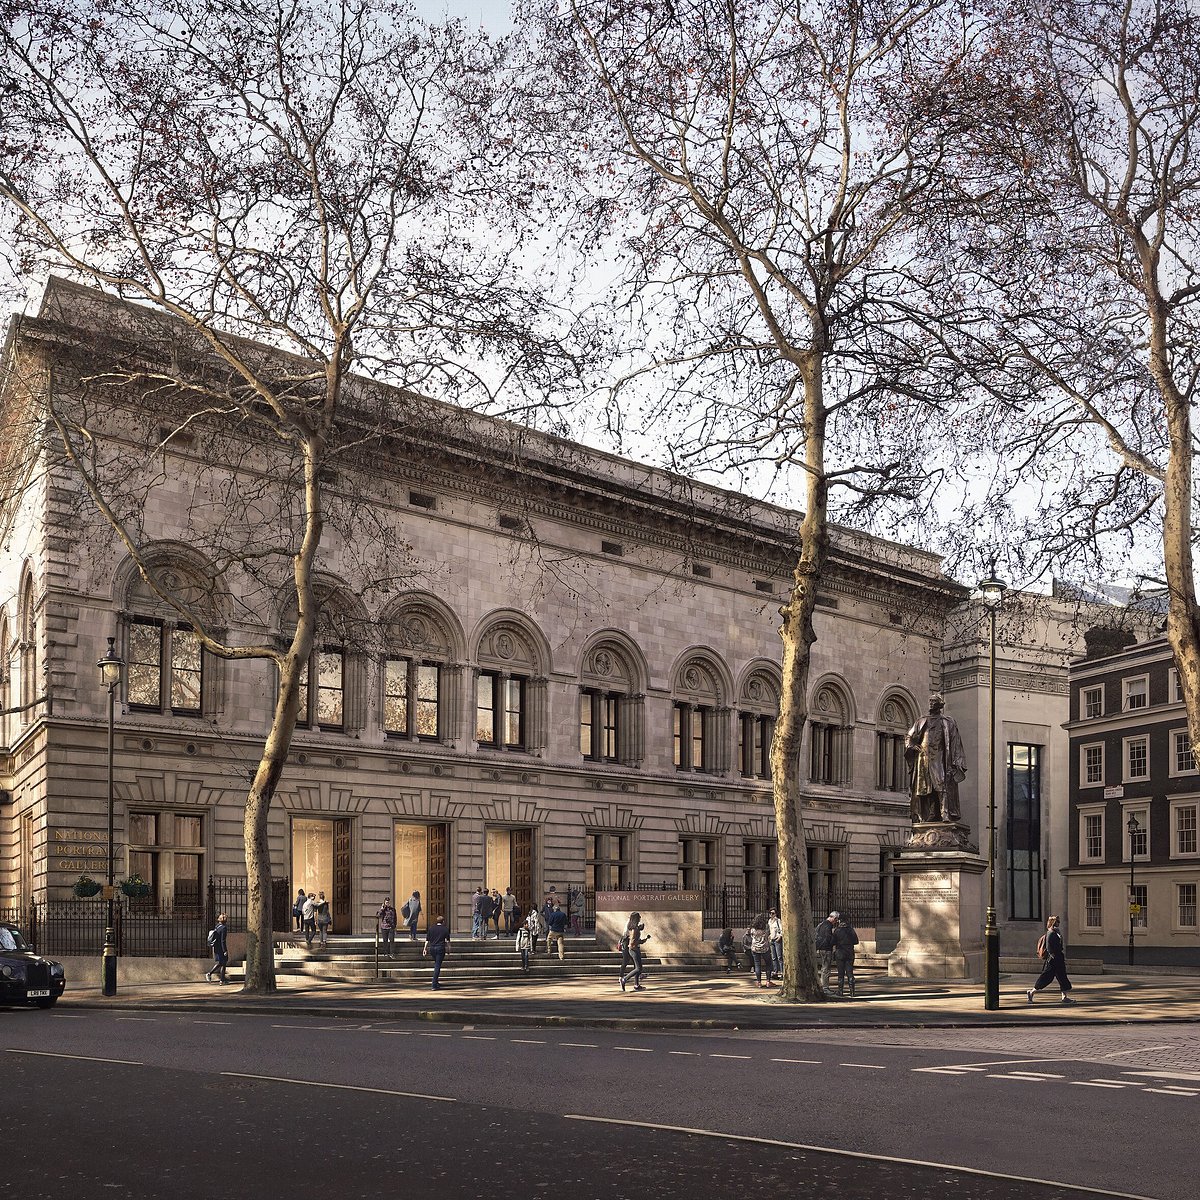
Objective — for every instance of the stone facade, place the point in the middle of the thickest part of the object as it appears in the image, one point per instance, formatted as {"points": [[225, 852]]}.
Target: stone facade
{"points": [[568, 685]]}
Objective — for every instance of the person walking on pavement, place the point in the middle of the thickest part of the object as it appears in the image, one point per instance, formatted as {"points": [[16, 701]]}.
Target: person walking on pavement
{"points": [[324, 919], [218, 940], [524, 945], [308, 918], [536, 927], [557, 924], [411, 913], [775, 935], [1056, 963], [824, 936], [760, 951], [386, 918], [632, 941], [437, 946], [298, 911], [844, 940], [509, 904]]}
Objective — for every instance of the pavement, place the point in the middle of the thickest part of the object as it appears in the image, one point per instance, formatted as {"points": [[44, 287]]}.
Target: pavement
{"points": [[678, 1002]]}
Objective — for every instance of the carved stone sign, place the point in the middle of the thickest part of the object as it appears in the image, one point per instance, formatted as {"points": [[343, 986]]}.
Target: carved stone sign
{"points": [[79, 851]]}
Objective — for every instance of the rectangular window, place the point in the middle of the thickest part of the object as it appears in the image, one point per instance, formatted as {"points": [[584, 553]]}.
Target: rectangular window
{"points": [[427, 717], [1136, 692], [1093, 837], [609, 860], [166, 850], [892, 774], [1137, 900], [395, 696], [514, 712], [755, 731], [697, 863], [691, 737], [825, 875], [1091, 908], [611, 712], [587, 722], [485, 708], [822, 747], [1092, 701], [699, 758], [1137, 758], [760, 874], [1137, 843], [1183, 830], [1024, 850], [1183, 761], [1093, 765], [1174, 687], [187, 670], [500, 711], [143, 672], [599, 725], [1186, 899], [330, 689], [678, 717]]}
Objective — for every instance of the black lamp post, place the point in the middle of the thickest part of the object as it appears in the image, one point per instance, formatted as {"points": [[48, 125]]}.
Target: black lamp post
{"points": [[1134, 829], [991, 593], [111, 667]]}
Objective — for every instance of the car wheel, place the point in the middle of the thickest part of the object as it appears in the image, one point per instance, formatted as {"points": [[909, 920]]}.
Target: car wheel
{"points": [[47, 1003]]}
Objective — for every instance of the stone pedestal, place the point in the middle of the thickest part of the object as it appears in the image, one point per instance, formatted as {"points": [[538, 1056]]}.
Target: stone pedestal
{"points": [[941, 915]]}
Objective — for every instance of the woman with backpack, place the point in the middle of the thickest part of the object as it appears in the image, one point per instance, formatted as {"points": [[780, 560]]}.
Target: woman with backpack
{"points": [[218, 940], [760, 951], [631, 944], [411, 912], [298, 911], [324, 918], [1054, 955]]}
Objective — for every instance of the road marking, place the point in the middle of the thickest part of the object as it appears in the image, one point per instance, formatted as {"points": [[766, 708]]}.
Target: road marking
{"points": [[212, 1022], [125, 1062], [1036, 1075], [1100, 1083], [1191, 1076], [396, 1032], [151, 1020], [814, 1062], [856, 1154], [685, 1053], [344, 1087], [526, 1042], [477, 1037], [745, 1057], [1016, 1078], [434, 1035], [865, 1066], [939, 1070], [586, 1045], [635, 1049], [1139, 1050], [1170, 1092]]}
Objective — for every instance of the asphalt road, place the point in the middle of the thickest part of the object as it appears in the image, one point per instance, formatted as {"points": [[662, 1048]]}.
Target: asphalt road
{"points": [[185, 1105]]}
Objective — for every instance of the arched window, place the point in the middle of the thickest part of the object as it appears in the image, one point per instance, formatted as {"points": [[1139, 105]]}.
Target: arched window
{"points": [[611, 703], [28, 648], [421, 671], [830, 734], [897, 715], [700, 723], [510, 686], [758, 708]]}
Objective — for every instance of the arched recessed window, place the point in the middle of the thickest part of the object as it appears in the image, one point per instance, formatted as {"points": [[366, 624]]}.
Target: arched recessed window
{"points": [[896, 717], [700, 719], [758, 708], [420, 672], [611, 704], [510, 687], [28, 649], [830, 735]]}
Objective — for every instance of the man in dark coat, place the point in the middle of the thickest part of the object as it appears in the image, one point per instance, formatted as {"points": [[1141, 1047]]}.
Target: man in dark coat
{"points": [[218, 940], [437, 943], [824, 936], [1056, 964]]}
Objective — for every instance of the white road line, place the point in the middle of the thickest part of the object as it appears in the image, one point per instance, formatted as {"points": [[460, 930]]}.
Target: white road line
{"points": [[1170, 1092], [865, 1066], [343, 1087], [685, 1053], [434, 1035], [939, 1070], [857, 1154], [1016, 1078], [1139, 1050], [1192, 1076], [745, 1057], [1129, 1083], [526, 1042], [635, 1049], [125, 1062], [586, 1045], [1037, 1075], [396, 1032], [151, 1020], [813, 1062], [1095, 1083], [477, 1037], [212, 1022]]}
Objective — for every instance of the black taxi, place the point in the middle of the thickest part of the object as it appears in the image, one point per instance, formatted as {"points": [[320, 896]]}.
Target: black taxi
{"points": [[26, 977]]}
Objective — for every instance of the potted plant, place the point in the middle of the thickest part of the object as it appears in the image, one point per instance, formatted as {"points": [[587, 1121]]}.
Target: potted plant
{"points": [[135, 887], [85, 886]]}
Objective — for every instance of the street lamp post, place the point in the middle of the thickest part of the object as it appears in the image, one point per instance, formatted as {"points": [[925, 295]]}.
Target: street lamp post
{"points": [[111, 666], [1134, 829], [991, 592]]}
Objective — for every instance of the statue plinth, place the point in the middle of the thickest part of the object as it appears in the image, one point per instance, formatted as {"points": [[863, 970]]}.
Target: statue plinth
{"points": [[941, 906]]}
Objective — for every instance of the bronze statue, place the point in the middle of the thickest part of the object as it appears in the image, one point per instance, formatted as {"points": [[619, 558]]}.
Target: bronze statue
{"points": [[937, 764]]}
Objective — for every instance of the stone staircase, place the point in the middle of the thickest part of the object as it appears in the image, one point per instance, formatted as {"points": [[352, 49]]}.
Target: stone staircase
{"points": [[351, 959]]}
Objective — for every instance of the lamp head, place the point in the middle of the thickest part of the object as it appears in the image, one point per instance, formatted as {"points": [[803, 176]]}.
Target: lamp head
{"points": [[991, 591], [111, 666], [1132, 824]]}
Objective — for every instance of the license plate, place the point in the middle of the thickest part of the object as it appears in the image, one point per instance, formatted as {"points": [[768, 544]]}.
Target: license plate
{"points": [[35, 993]]}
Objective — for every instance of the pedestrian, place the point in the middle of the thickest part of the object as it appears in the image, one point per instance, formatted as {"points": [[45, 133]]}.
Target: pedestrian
{"points": [[496, 910], [309, 918], [524, 946], [437, 946], [748, 957], [411, 913], [760, 949], [632, 941], [728, 947], [1051, 945], [298, 912], [775, 935], [477, 914], [844, 940], [556, 923], [509, 904], [824, 936], [533, 923], [324, 919], [386, 919], [218, 940]]}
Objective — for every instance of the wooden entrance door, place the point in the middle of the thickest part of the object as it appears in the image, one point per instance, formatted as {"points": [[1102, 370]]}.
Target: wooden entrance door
{"points": [[342, 914], [522, 867], [437, 899]]}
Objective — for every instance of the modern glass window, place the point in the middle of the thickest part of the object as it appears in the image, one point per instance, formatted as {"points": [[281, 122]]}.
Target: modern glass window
{"points": [[1136, 692], [1093, 765], [1092, 701], [1185, 895], [1183, 830], [755, 731], [1137, 899], [1137, 758], [891, 771], [500, 711], [609, 860], [412, 698], [166, 849], [599, 725], [165, 667], [1024, 832], [1183, 761], [1092, 913], [1092, 841], [697, 863], [691, 737], [760, 873]]}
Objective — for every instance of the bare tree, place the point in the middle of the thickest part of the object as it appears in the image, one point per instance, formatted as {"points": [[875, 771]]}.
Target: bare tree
{"points": [[749, 174], [1074, 248], [286, 193]]}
